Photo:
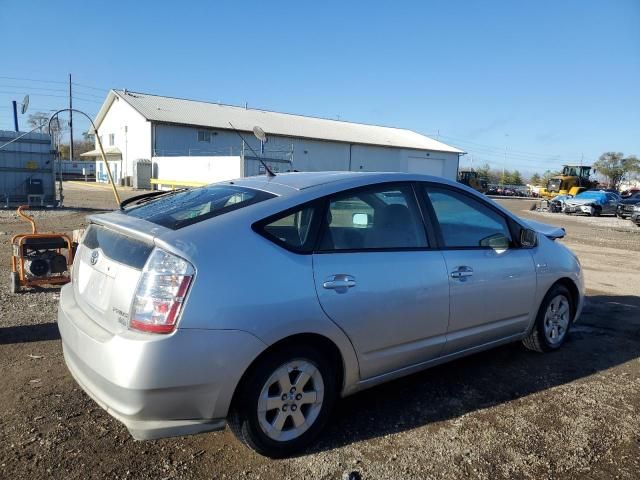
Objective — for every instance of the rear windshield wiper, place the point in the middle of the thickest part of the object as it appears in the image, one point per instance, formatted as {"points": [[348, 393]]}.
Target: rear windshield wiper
{"points": [[147, 197]]}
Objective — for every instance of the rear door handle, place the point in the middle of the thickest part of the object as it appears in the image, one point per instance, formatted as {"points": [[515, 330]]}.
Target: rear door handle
{"points": [[462, 273], [340, 282]]}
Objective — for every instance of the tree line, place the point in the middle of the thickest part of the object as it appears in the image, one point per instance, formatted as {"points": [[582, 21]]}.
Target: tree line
{"points": [[501, 177], [615, 167]]}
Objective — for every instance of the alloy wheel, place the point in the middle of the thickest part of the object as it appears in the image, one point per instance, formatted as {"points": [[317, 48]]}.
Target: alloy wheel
{"points": [[556, 319], [290, 400]]}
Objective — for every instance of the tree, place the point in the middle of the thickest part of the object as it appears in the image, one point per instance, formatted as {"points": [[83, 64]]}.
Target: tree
{"points": [[616, 167], [41, 120], [79, 147], [506, 177], [535, 179], [484, 171], [516, 178]]}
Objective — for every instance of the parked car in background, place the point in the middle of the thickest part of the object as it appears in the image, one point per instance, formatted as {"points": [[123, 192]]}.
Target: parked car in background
{"points": [[630, 192], [557, 203], [259, 302], [635, 215], [593, 203], [625, 206]]}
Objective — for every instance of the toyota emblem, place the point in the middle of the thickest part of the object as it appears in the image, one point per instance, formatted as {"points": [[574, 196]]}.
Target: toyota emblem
{"points": [[94, 257]]}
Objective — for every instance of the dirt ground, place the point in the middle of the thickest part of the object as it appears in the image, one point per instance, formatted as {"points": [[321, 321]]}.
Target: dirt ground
{"points": [[507, 413]]}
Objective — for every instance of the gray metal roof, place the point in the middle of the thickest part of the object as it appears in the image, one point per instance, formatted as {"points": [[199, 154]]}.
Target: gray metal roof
{"points": [[214, 115]]}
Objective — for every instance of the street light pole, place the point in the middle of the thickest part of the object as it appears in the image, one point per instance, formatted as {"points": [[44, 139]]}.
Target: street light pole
{"points": [[70, 122]]}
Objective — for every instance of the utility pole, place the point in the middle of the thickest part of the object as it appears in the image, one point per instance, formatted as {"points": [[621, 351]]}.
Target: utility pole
{"points": [[70, 122]]}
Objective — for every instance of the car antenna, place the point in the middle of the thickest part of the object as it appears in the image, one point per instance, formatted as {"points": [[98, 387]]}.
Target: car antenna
{"points": [[256, 131]]}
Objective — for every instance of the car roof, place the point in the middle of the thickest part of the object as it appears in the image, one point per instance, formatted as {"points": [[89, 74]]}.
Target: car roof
{"points": [[292, 182]]}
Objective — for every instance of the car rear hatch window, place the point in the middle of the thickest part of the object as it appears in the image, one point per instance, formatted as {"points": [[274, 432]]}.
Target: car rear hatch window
{"points": [[106, 271], [198, 204]]}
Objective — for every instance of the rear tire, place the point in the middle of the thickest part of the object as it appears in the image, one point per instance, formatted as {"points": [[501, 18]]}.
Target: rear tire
{"points": [[14, 283], [553, 321], [285, 401]]}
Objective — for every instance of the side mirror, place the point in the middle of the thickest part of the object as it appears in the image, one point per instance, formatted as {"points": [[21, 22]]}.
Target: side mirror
{"points": [[360, 220], [528, 238]]}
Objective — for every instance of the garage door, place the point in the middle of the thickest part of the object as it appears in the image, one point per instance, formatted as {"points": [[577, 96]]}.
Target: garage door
{"points": [[426, 166]]}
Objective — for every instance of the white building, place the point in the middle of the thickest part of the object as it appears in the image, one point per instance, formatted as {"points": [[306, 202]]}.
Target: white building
{"points": [[193, 141]]}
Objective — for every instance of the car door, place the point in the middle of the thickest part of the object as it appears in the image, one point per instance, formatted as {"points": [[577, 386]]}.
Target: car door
{"points": [[492, 281], [611, 204], [377, 277]]}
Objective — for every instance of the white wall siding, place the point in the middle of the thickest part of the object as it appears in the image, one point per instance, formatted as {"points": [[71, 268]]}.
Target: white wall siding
{"points": [[132, 134], [197, 169], [307, 154]]}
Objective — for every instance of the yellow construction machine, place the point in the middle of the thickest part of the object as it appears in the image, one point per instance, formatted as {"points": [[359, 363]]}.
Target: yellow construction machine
{"points": [[573, 180], [471, 179]]}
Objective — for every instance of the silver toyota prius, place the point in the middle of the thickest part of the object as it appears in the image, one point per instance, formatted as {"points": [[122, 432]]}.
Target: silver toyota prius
{"points": [[259, 302]]}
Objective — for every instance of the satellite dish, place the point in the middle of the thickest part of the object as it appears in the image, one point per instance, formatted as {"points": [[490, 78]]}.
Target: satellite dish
{"points": [[259, 133], [25, 104]]}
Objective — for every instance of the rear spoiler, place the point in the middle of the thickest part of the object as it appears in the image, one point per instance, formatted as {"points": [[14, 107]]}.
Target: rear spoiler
{"points": [[549, 231]]}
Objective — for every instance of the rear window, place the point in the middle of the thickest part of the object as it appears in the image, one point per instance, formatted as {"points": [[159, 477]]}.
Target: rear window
{"points": [[117, 247], [198, 204]]}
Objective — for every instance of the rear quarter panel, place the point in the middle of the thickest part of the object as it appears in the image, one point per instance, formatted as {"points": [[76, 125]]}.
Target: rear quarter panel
{"points": [[245, 282]]}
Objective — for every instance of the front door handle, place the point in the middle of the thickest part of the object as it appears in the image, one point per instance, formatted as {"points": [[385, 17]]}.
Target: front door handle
{"points": [[339, 282], [462, 273]]}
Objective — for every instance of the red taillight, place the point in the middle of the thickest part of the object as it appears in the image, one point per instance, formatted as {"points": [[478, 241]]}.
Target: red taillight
{"points": [[160, 294]]}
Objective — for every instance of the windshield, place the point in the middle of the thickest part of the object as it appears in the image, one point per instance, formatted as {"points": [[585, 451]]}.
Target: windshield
{"points": [[198, 204]]}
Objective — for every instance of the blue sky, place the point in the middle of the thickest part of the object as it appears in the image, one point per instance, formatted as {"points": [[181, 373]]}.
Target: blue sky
{"points": [[547, 81]]}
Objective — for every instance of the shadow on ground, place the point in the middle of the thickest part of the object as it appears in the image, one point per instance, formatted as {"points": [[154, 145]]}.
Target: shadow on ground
{"points": [[607, 335], [29, 333]]}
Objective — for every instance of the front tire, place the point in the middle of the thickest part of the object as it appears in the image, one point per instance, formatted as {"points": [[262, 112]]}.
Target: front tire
{"points": [[285, 401], [552, 322]]}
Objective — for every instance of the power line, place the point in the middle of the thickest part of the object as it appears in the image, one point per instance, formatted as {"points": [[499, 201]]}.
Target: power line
{"points": [[92, 88], [82, 99], [32, 80], [24, 79], [29, 88], [500, 151], [34, 88]]}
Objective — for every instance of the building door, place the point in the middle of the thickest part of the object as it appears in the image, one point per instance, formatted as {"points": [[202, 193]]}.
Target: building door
{"points": [[426, 166]]}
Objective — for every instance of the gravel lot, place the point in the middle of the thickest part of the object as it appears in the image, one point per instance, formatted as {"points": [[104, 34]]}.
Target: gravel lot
{"points": [[507, 413]]}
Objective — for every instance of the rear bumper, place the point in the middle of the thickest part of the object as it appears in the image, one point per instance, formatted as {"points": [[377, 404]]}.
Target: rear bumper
{"points": [[156, 385]]}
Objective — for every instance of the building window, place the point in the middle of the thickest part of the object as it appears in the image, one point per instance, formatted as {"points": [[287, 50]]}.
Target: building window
{"points": [[112, 139], [204, 136]]}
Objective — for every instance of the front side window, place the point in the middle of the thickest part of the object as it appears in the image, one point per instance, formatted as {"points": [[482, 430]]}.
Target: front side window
{"points": [[195, 205], [379, 217], [466, 222]]}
